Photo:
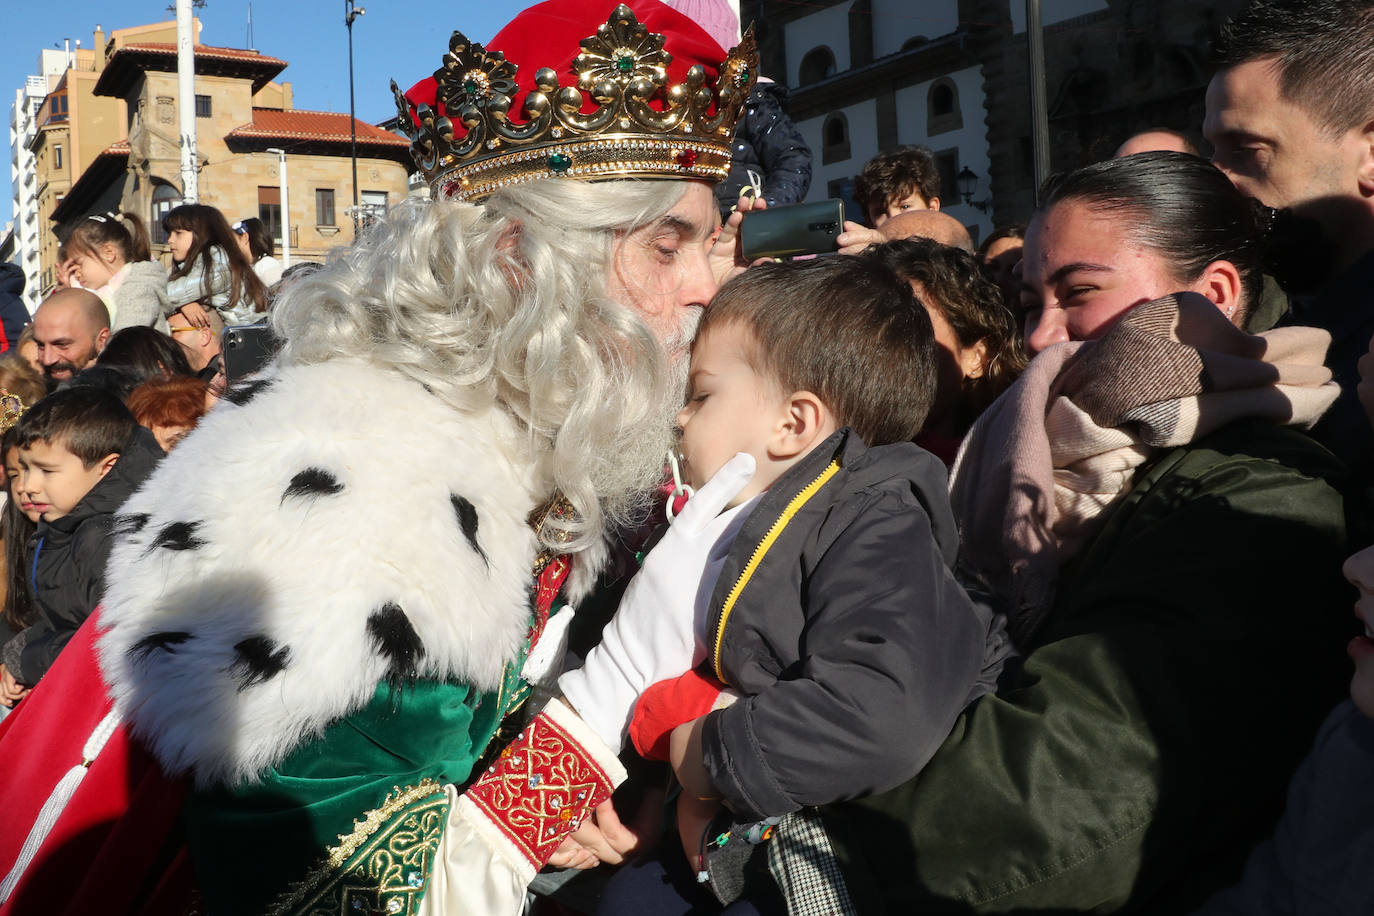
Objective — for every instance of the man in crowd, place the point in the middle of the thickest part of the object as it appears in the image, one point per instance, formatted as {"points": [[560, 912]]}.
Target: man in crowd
{"points": [[928, 224], [1290, 114], [70, 328], [465, 405], [202, 344], [1156, 139]]}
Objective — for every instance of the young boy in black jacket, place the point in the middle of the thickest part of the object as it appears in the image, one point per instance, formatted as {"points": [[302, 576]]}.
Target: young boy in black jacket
{"points": [[835, 619], [81, 455]]}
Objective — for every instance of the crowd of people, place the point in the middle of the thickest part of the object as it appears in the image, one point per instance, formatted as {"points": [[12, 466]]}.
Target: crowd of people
{"points": [[564, 560]]}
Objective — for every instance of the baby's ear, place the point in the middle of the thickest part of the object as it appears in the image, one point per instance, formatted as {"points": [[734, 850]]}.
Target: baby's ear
{"points": [[806, 421]]}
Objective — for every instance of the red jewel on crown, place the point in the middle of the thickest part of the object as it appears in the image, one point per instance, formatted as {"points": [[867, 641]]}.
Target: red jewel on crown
{"points": [[686, 158]]}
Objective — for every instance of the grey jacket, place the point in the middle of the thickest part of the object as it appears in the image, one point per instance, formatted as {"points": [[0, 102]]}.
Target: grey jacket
{"points": [[838, 618], [141, 300], [1318, 861]]}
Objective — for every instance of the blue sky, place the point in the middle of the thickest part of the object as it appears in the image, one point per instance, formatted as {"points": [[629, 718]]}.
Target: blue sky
{"points": [[404, 39]]}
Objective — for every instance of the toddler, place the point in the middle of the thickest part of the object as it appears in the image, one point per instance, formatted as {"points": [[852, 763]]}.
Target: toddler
{"points": [[211, 270], [81, 454], [111, 257], [835, 616]]}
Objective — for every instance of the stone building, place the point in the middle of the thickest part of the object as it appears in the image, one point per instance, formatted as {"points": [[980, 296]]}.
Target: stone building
{"points": [[72, 126], [27, 230], [244, 118], [867, 75]]}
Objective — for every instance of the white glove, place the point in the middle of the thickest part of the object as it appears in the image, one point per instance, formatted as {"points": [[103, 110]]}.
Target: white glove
{"points": [[659, 630]]}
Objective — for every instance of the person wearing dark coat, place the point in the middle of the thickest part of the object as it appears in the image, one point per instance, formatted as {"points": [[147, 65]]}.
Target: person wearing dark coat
{"points": [[13, 314], [74, 533], [768, 143]]}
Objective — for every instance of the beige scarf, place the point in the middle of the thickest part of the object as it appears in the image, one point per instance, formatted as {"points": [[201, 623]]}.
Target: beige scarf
{"points": [[1047, 458]]}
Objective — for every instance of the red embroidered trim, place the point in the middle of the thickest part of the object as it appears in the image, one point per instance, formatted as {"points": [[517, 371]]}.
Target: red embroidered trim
{"points": [[540, 788]]}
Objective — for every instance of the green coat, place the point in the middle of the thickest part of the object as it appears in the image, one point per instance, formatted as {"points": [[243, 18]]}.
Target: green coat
{"points": [[1145, 745]]}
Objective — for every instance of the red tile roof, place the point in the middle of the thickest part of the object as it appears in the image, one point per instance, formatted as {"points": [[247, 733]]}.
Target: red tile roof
{"points": [[167, 47], [123, 67], [298, 124]]}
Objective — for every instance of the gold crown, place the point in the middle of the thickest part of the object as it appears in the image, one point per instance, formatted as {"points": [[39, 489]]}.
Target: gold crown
{"points": [[622, 67]]}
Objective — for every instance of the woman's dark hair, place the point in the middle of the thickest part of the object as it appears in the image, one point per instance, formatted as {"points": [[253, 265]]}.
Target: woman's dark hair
{"points": [[1177, 205], [126, 231], [211, 230], [953, 281], [144, 353], [17, 610], [1016, 231], [260, 241]]}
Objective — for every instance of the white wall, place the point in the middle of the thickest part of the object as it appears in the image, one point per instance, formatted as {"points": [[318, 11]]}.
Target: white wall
{"points": [[863, 145], [1052, 11], [971, 139], [829, 27], [894, 21]]}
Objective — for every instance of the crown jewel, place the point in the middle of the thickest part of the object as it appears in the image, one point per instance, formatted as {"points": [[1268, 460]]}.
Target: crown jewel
{"points": [[621, 119]]}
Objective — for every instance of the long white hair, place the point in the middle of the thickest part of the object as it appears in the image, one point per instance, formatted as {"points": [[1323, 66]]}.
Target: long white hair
{"points": [[507, 301]]}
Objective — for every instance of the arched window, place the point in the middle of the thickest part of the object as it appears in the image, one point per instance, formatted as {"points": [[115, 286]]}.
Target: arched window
{"points": [[165, 197], [818, 64], [942, 107], [834, 138]]}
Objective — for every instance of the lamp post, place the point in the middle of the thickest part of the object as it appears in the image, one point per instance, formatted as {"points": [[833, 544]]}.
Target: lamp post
{"points": [[285, 207], [352, 12]]}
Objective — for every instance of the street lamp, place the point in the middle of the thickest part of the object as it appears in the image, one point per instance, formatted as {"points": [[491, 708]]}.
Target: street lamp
{"points": [[968, 186], [285, 206], [352, 12]]}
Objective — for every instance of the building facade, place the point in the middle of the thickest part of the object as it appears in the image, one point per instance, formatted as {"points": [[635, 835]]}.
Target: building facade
{"points": [[868, 75], [106, 138], [25, 127]]}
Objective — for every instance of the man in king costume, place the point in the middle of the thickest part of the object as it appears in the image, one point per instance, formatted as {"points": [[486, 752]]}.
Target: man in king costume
{"points": [[327, 610]]}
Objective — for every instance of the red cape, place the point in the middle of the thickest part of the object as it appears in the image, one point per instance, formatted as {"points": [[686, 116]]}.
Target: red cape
{"points": [[117, 847]]}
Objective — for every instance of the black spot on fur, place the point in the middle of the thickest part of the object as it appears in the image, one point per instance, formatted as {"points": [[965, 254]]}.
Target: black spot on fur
{"points": [[467, 521], [129, 524], [393, 636], [164, 641], [312, 482], [259, 660], [178, 536], [244, 392]]}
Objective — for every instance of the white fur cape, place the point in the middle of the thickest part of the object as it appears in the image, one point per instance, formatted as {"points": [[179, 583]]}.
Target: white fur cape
{"points": [[324, 528]]}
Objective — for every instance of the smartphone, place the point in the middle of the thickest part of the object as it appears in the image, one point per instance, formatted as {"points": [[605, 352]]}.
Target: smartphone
{"points": [[782, 232], [246, 348]]}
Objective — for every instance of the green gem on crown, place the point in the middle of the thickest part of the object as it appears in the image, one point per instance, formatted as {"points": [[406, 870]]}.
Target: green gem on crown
{"points": [[560, 162], [625, 64], [471, 87]]}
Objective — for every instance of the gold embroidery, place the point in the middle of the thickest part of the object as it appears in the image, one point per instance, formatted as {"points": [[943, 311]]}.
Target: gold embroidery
{"points": [[382, 865]]}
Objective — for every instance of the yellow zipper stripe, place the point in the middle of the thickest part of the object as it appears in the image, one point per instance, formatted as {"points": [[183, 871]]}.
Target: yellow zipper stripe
{"points": [[756, 558]]}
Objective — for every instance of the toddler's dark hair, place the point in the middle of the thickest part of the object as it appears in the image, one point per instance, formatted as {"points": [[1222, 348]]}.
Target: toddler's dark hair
{"points": [[90, 422], [847, 329]]}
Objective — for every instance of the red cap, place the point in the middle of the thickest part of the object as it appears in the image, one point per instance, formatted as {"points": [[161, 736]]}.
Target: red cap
{"points": [[550, 34]]}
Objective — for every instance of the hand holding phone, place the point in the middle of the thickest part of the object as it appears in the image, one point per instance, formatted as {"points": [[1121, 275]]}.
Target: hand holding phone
{"points": [[798, 229]]}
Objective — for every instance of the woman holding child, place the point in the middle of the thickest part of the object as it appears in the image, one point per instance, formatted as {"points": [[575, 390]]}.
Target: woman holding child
{"points": [[1167, 549]]}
